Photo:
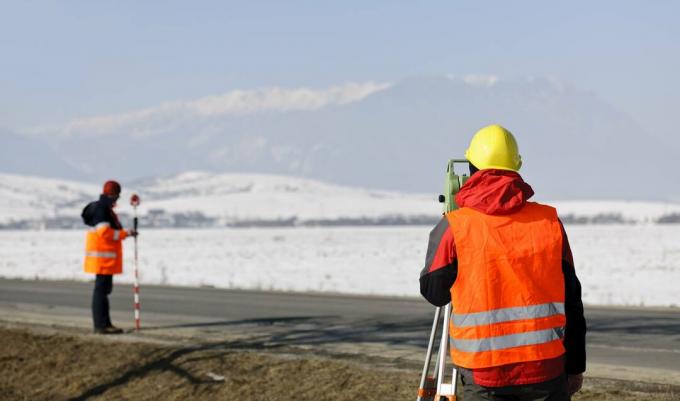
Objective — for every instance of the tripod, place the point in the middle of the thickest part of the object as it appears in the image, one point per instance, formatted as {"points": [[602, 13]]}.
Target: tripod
{"points": [[432, 387]]}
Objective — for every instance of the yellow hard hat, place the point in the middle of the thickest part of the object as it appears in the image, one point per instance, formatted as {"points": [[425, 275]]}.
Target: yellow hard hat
{"points": [[494, 147]]}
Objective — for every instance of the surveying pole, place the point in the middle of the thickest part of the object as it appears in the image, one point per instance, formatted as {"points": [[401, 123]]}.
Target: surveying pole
{"points": [[134, 201]]}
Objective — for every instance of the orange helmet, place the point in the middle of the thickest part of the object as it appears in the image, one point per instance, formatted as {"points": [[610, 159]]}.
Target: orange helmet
{"points": [[111, 188]]}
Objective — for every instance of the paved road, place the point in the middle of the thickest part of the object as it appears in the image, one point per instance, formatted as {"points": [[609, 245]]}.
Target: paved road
{"points": [[639, 338]]}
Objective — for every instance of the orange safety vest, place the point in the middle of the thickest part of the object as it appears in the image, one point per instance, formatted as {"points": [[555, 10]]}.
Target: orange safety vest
{"points": [[103, 250], [508, 297]]}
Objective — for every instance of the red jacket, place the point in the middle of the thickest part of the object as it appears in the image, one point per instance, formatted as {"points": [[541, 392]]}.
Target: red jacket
{"points": [[500, 192]]}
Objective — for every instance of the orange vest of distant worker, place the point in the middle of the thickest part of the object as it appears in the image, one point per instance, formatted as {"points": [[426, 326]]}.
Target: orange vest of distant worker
{"points": [[103, 250], [508, 297]]}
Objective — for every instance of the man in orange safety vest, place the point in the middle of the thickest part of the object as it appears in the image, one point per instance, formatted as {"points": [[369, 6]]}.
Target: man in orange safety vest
{"points": [[104, 253], [517, 329]]}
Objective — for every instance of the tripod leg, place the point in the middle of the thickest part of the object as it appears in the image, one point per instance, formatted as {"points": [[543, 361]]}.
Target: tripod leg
{"points": [[424, 390], [443, 345], [445, 390]]}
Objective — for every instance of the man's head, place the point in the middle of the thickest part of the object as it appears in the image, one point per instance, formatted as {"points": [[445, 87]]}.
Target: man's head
{"points": [[494, 147], [111, 189]]}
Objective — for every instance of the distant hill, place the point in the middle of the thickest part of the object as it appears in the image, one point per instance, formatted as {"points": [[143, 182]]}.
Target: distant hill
{"points": [[574, 144], [202, 199]]}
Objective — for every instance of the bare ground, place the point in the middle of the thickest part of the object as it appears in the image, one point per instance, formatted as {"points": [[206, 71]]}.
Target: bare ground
{"points": [[57, 365]]}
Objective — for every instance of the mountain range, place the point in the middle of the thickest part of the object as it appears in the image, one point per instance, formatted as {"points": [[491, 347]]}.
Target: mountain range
{"points": [[396, 137]]}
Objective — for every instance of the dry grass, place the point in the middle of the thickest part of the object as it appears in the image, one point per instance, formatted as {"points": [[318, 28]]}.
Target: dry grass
{"points": [[64, 367]]}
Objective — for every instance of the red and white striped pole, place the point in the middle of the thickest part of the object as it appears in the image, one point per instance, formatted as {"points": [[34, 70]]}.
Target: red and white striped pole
{"points": [[134, 201]]}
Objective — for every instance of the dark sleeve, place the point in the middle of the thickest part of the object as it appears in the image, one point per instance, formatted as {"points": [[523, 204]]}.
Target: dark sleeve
{"points": [[575, 333], [441, 266]]}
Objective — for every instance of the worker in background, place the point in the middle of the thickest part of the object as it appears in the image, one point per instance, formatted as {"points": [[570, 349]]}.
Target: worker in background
{"points": [[517, 328], [104, 253]]}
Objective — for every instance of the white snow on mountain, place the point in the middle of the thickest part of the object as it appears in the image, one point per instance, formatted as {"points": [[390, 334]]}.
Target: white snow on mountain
{"points": [[35, 198], [158, 119], [225, 197], [233, 197], [229, 198]]}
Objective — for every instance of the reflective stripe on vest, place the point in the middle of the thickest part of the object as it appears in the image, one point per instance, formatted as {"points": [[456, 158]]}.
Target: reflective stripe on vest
{"points": [[508, 341], [107, 255], [508, 314]]}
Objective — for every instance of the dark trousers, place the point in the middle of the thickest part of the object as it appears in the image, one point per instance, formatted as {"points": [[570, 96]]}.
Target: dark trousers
{"points": [[552, 390], [103, 285]]}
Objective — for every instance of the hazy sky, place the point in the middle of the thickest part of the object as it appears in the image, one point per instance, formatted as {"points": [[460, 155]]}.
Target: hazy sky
{"points": [[69, 59]]}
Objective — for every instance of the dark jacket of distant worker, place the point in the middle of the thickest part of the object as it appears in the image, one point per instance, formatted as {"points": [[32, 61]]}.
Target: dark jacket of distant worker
{"points": [[517, 324], [104, 253]]}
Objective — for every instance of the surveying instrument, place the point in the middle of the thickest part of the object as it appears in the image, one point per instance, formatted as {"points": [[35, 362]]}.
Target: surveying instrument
{"points": [[432, 386]]}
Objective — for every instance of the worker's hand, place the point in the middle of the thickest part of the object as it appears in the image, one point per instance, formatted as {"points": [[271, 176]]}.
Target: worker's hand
{"points": [[574, 383], [132, 232]]}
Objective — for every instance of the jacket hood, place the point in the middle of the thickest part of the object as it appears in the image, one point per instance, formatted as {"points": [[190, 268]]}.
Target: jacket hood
{"points": [[89, 211], [495, 192]]}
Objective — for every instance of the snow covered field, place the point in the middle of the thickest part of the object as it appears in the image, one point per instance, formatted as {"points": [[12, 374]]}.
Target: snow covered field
{"points": [[617, 264]]}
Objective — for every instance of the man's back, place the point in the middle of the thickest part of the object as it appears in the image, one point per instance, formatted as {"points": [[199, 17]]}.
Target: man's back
{"points": [[517, 312], [508, 298]]}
